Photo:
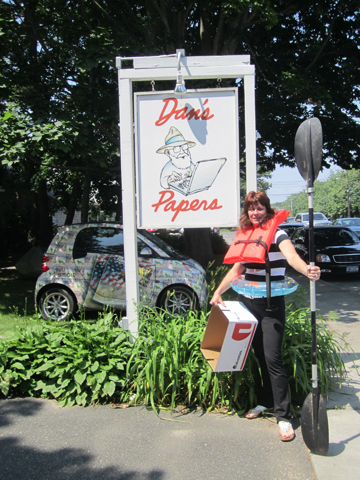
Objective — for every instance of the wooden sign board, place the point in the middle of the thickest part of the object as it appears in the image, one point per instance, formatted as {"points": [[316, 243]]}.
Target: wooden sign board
{"points": [[187, 159]]}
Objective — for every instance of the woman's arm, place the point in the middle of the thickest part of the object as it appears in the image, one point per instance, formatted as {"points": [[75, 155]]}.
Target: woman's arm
{"points": [[235, 271], [293, 259]]}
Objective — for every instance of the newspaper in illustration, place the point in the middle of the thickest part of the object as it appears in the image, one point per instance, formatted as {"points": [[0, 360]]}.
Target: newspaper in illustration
{"points": [[180, 173]]}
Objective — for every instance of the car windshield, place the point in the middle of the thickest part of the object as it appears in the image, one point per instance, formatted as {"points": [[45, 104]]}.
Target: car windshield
{"points": [[351, 222], [336, 237], [170, 251]]}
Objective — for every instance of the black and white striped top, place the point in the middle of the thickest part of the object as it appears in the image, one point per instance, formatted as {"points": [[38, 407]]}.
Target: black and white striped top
{"points": [[256, 271]]}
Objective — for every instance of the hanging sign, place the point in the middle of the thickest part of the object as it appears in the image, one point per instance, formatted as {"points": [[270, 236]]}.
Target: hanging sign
{"points": [[187, 159]]}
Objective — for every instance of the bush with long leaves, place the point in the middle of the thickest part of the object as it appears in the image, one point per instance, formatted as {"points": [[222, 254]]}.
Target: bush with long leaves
{"points": [[167, 368]]}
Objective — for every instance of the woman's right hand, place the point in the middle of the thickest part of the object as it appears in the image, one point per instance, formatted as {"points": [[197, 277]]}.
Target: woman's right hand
{"points": [[216, 300]]}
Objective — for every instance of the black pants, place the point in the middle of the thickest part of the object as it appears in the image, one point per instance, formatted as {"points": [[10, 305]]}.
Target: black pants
{"points": [[272, 386]]}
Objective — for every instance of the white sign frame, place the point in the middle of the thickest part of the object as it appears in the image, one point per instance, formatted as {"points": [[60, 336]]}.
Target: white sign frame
{"points": [[203, 125], [165, 67]]}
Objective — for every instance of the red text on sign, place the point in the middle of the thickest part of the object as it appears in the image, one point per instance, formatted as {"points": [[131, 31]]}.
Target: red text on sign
{"points": [[169, 205], [170, 110]]}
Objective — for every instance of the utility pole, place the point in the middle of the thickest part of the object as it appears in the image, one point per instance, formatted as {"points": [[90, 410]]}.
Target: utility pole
{"points": [[347, 192]]}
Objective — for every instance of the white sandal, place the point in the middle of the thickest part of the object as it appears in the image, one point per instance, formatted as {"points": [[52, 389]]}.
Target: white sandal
{"points": [[255, 412], [286, 431]]}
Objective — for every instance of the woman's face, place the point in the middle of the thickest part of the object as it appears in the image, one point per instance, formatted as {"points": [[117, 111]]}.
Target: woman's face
{"points": [[256, 214]]}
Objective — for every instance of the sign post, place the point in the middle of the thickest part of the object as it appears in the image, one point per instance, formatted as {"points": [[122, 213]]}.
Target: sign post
{"points": [[186, 150]]}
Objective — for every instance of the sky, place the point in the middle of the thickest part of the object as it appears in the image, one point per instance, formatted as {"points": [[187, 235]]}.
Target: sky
{"points": [[287, 181]]}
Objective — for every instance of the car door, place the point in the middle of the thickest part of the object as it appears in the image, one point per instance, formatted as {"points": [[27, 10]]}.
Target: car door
{"points": [[99, 255], [107, 282]]}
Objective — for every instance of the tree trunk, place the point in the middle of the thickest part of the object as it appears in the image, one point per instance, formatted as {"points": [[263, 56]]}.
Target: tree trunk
{"points": [[72, 202], [198, 245], [85, 199], [46, 231]]}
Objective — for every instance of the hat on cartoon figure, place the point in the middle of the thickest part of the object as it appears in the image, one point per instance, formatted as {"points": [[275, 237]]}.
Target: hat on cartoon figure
{"points": [[174, 139]]}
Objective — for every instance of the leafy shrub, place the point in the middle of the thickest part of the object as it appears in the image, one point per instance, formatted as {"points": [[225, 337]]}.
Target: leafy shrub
{"points": [[176, 241], [219, 245], [74, 362], [167, 368]]}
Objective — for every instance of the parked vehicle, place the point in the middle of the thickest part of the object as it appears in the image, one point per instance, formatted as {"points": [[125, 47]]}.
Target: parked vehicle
{"points": [[84, 266], [352, 223], [319, 218], [290, 220], [290, 227], [181, 230], [337, 249]]}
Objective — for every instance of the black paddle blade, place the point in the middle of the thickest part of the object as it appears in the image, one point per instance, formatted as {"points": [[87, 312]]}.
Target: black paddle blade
{"points": [[308, 149], [315, 431]]}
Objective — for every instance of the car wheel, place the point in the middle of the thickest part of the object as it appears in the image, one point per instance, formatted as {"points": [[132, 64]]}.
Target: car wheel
{"points": [[57, 304], [178, 299]]}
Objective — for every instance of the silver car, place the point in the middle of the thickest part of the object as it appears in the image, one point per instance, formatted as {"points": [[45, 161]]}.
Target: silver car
{"points": [[319, 219], [84, 266], [352, 223]]}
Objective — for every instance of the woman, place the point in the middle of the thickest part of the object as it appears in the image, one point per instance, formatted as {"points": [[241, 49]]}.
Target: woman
{"points": [[273, 386]]}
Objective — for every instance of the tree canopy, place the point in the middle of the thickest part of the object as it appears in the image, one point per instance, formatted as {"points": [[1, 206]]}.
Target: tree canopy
{"points": [[58, 96]]}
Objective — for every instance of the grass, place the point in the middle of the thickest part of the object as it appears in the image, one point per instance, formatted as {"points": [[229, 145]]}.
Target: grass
{"points": [[16, 301]]}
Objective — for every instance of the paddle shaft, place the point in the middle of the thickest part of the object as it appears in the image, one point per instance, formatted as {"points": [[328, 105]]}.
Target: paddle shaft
{"points": [[310, 192], [315, 391]]}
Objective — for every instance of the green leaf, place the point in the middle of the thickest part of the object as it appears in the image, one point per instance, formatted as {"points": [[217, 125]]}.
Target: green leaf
{"points": [[18, 365], [109, 388], [82, 399], [100, 377], [95, 366], [45, 366], [80, 377]]}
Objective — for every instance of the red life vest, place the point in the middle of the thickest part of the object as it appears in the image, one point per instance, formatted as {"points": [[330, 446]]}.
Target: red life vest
{"points": [[253, 252]]}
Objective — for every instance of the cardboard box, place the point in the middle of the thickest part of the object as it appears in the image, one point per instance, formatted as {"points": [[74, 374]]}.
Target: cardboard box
{"points": [[228, 337]]}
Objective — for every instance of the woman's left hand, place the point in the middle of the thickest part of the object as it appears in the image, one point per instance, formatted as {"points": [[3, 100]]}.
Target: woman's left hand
{"points": [[313, 273]]}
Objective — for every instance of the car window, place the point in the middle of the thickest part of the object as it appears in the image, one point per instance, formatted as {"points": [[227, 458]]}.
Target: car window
{"points": [[319, 216], [305, 217], [299, 234], [106, 240], [162, 248], [335, 237], [289, 230], [141, 245]]}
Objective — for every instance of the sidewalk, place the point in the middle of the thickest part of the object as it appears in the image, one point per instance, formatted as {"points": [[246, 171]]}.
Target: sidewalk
{"points": [[40, 441], [343, 405]]}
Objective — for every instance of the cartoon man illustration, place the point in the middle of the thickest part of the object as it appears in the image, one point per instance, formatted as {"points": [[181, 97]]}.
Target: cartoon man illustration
{"points": [[180, 167]]}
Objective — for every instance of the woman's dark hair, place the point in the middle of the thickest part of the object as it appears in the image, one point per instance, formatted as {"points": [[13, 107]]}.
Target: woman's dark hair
{"points": [[253, 199]]}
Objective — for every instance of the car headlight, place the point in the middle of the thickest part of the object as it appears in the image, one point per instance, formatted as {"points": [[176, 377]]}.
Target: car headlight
{"points": [[320, 257]]}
